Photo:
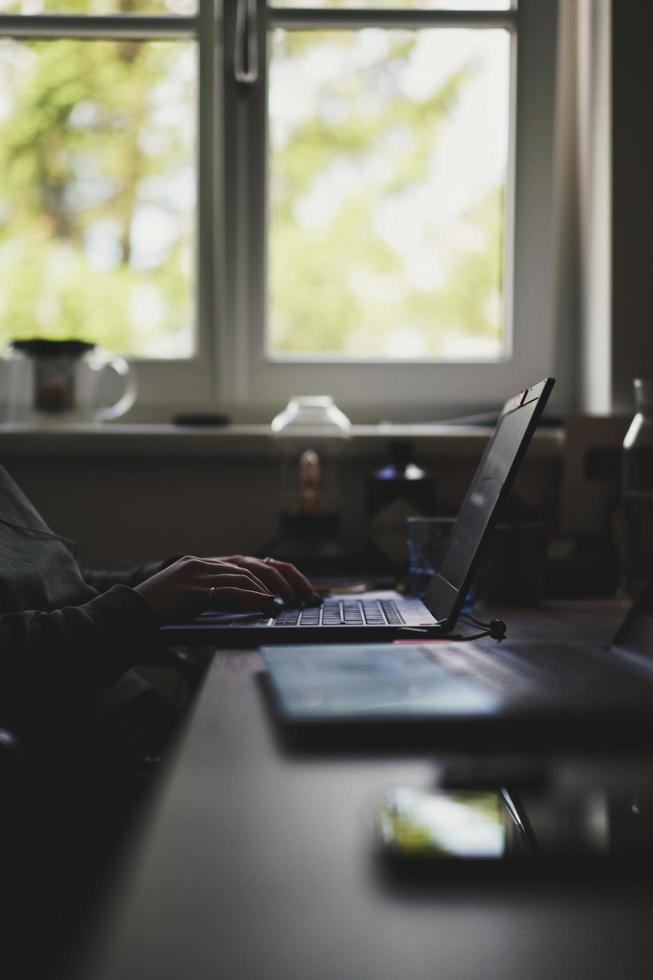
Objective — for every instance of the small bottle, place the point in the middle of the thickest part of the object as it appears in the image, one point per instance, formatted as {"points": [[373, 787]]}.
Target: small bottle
{"points": [[637, 492]]}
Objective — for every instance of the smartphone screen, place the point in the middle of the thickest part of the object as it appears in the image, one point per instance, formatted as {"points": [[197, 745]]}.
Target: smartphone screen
{"points": [[502, 826]]}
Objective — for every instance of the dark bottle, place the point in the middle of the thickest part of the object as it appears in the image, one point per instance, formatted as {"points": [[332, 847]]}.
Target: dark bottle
{"points": [[309, 534], [397, 490]]}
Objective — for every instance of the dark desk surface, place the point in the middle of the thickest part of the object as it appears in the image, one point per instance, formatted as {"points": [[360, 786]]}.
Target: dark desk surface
{"points": [[257, 864]]}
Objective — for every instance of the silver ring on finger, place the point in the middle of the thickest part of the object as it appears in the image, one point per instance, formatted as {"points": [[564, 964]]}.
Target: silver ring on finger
{"points": [[268, 561]]}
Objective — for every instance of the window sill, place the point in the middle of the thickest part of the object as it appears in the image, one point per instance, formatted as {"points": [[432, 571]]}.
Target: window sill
{"points": [[156, 441]]}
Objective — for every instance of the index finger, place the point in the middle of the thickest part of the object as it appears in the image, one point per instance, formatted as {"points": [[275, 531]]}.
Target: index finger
{"points": [[295, 579]]}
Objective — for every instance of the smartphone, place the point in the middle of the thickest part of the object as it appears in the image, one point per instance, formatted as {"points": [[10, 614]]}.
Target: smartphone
{"points": [[502, 827]]}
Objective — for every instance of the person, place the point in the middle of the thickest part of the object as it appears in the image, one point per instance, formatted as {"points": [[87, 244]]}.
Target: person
{"points": [[67, 633], [87, 723]]}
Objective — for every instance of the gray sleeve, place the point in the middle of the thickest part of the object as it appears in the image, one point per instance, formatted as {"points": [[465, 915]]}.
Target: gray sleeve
{"points": [[53, 662], [102, 579]]}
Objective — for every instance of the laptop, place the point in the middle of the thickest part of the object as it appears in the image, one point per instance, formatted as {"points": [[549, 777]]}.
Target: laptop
{"points": [[387, 616], [609, 687]]}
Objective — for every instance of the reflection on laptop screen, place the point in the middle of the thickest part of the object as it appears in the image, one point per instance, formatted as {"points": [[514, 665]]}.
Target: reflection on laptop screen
{"points": [[478, 507], [636, 632]]}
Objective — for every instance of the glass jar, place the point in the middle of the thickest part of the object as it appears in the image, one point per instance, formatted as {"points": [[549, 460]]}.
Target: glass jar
{"points": [[310, 431], [311, 415]]}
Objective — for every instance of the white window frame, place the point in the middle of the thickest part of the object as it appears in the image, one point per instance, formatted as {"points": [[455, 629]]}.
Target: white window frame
{"points": [[165, 385], [374, 390], [229, 370]]}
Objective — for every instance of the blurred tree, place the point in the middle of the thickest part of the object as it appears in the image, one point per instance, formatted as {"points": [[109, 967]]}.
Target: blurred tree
{"points": [[97, 174], [93, 243], [338, 282]]}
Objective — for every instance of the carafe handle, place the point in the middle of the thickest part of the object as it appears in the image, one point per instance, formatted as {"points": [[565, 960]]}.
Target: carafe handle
{"points": [[113, 362]]}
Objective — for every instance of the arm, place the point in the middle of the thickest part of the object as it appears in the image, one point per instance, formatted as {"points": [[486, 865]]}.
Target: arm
{"points": [[51, 663], [278, 577], [103, 579]]}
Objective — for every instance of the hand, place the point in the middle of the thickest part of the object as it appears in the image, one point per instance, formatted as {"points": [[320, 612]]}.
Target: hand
{"points": [[191, 585], [280, 577]]}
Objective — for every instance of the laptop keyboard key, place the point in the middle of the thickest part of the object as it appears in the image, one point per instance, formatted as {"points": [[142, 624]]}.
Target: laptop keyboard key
{"points": [[372, 613], [310, 617], [352, 613], [289, 617], [331, 614], [392, 615]]}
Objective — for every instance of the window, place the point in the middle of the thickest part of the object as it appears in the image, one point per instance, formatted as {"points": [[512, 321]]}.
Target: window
{"points": [[387, 177], [254, 201], [99, 150]]}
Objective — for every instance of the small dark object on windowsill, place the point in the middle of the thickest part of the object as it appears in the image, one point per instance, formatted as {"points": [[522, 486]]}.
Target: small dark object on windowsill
{"points": [[201, 419]]}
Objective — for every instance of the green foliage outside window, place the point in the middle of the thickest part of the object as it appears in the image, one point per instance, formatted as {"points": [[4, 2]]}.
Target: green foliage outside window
{"points": [[98, 175], [339, 284], [97, 7], [96, 186]]}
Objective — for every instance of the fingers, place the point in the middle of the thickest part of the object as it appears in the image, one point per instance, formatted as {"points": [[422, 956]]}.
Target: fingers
{"points": [[238, 598], [238, 592], [243, 578], [190, 585], [291, 574], [274, 580], [281, 577], [216, 571], [254, 577]]}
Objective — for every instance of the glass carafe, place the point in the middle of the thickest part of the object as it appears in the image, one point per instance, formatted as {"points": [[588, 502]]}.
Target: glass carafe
{"points": [[62, 381]]}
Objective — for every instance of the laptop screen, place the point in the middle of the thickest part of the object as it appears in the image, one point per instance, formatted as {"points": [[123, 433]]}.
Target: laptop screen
{"points": [[490, 485], [636, 632]]}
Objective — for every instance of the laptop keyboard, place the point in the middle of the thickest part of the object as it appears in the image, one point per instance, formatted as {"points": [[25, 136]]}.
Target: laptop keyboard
{"points": [[347, 612]]}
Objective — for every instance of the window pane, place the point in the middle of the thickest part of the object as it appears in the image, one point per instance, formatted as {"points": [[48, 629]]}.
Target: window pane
{"points": [[388, 159], [178, 7], [399, 4], [97, 193]]}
